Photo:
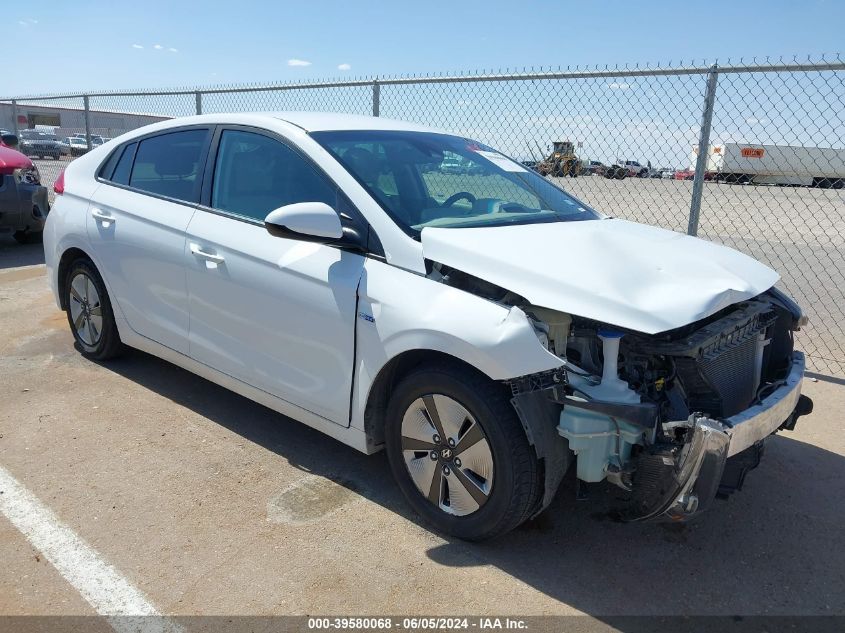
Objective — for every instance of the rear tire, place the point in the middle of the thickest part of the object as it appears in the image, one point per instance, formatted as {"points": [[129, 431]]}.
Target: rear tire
{"points": [[89, 312], [497, 487]]}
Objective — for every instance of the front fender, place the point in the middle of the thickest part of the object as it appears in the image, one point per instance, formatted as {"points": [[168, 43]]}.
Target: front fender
{"points": [[400, 311]]}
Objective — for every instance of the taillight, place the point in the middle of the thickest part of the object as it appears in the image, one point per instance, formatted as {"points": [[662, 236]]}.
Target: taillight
{"points": [[59, 185]]}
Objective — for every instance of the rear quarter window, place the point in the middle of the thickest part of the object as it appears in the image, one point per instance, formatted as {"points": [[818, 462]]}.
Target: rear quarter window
{"points": [[118, 165], [107, 168], [124, 165]]}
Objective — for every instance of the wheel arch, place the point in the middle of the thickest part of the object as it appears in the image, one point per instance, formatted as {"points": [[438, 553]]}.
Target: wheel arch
{"points": [[536, 413], [69, 256], [375, 410]]}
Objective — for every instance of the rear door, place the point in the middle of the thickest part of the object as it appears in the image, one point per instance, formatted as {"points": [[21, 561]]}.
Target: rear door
{"points": [[276, 313], [136, 224]]}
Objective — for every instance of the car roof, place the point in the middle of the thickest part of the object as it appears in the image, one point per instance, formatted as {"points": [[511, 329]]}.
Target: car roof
{"points": [[334, 121], [305, 121]]}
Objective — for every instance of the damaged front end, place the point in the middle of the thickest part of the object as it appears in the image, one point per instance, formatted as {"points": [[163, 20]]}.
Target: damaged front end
{"points": [[675, 418]]}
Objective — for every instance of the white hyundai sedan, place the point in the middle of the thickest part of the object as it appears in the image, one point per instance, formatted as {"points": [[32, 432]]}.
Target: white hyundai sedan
{"points": [[402, 288]]}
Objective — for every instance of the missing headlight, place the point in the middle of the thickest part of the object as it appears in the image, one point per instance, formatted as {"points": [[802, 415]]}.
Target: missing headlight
{"points": [[28, 175]]}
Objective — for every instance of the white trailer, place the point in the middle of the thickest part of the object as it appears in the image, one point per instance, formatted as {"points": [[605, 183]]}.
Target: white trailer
{"points": [[775, 164]]}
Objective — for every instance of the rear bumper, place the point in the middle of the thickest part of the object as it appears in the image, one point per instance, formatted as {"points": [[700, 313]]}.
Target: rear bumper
{"points": [[700, 465]]}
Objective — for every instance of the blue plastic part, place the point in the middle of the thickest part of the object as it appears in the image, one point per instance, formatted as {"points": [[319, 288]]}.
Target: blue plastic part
{"points": [[611, 334]]}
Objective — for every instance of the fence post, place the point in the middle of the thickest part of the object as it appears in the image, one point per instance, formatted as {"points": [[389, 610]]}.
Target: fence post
{"points": [[15, 117], [87, 121], [376, 97], [703, 150], [199, 102]]}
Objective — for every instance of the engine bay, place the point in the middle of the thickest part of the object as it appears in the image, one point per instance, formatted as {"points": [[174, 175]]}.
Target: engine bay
{"points": [[630, 404]]}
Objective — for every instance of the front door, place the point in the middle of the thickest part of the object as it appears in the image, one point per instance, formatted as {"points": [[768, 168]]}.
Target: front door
{"points": [[276, 313]]}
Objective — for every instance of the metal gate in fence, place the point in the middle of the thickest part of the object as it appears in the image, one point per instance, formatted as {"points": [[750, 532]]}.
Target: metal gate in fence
{"points": [[751, 155]]}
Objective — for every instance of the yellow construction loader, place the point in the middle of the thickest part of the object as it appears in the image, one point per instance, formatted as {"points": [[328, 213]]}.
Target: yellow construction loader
{"points": [[561, 162]]}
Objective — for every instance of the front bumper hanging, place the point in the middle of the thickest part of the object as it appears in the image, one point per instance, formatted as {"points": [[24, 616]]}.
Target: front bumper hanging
{"points": [[685, 484]]}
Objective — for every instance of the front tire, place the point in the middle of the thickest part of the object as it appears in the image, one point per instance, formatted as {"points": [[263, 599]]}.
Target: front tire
{"points": [[89, 312], [459, 453]]}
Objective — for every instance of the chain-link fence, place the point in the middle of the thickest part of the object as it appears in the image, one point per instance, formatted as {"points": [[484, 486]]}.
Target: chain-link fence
{"points": [[749, 155]]}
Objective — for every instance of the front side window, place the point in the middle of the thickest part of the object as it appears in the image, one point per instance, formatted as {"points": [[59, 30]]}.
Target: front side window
{"points": [[169, 164], [426, 179], [255, 174]]}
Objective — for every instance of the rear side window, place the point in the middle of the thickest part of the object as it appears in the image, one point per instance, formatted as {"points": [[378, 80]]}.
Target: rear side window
{"points": [[255, 174], [169, 165]]}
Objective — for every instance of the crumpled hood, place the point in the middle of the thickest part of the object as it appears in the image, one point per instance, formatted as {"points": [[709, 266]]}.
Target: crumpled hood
{"points": [[622, 273]]}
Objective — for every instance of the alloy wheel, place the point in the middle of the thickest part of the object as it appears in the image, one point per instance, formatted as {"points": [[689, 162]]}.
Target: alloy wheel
{"points": [[447, 454], [86, 311]]}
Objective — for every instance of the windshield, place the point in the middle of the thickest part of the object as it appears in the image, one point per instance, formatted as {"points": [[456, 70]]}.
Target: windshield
{"points": [[425, 179]]}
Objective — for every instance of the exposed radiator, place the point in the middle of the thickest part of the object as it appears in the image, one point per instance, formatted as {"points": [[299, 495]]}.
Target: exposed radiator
{"points": [[719, 364], [734, 373]]}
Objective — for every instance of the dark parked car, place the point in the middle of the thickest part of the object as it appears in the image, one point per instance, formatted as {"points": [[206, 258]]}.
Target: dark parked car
{"points": [[35, 143], [23, 200], [616, 172]]}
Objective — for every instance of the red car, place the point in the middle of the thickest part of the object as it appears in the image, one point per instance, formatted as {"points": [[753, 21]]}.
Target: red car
{"points": [[689, 174], [23, 200]]}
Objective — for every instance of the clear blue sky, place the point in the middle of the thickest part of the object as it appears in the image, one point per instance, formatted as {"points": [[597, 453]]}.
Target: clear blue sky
{"points": [[113, 44]]}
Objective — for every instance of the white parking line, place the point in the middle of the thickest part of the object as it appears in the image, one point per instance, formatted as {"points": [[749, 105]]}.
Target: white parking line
{"points": [[102, 586]]}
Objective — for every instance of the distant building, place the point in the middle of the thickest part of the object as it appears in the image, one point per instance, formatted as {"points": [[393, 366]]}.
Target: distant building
{"points": [[68, 121]]}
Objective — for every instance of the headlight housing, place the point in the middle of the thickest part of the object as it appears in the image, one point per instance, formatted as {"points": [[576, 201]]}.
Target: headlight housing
{"points": [[28, 175]]}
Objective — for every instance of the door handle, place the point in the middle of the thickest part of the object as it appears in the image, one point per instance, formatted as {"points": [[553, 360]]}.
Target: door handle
{"points": [[103, 217], [196, 250]]}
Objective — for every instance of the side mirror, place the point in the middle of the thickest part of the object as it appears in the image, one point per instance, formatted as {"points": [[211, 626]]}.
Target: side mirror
{"points": [[10, 140], [307, 221]]}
